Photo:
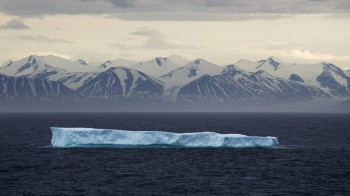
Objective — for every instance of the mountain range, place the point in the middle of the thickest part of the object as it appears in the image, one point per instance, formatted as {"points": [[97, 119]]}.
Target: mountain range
{"points": [[172, 79]]}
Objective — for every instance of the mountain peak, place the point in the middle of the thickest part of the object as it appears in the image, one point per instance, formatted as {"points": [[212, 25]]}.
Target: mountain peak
{"points": [[81, 62], [179, 60], [118, 62], [231, 69], [35, 60], [271, 61], [331, 66], [33, 57], [275, 59], [104, 65], [199, 61], [7, 63], [160, 60], [231, 66], [203, 64], [244, 61]]}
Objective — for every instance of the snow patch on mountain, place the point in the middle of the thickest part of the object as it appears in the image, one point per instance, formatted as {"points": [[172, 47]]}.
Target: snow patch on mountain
{"points": [[179, 60], [235, 85], [81, 62], [246, 81], [117, 63], [35, 64], [177, 78], [312, 74], [122, 82], [155, 67]]}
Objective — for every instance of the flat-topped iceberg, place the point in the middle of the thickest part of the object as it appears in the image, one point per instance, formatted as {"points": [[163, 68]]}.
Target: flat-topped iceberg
{"points": [[89, 137]]}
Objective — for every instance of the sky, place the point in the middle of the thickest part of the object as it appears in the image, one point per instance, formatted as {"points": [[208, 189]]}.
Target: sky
{"points": [[221, 31]]}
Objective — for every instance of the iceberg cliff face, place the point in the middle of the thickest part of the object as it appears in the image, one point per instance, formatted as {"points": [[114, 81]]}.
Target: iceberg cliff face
{"points": [[89, 137]]}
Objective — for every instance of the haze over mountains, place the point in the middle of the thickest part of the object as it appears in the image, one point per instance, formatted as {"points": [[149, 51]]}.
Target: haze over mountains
{"points": [[172, 80]]}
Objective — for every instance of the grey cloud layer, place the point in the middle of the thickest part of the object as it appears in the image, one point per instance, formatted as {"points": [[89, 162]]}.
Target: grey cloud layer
{"points": [[155, 40], [40, 38], [174, 10], [14, 25]]}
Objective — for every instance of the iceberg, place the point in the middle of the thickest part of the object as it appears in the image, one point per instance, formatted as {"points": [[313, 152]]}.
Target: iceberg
{"points": [[90, 137]]}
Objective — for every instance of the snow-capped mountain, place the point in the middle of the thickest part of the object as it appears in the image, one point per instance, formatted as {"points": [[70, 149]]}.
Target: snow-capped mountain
{"points": [[74, 80], [67, 65], [154, 67], [177, 78], [268, 65], [122, 82], [178, 60], [335, 79], [34, 64], [28, 66], [117, 63], [323, 75], [48, 68], [32, 89], [234, 85], [173, 79]]}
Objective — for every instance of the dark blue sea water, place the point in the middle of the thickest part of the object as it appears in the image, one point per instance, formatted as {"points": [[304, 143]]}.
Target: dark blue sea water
{"points": [[313, 157]]}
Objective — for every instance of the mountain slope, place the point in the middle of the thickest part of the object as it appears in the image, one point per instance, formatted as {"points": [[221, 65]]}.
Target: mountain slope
{"points": [[58, 62], [26, 67], [21, 88], [177, 78], [154, 67], [268, 81], [234, 85], [335, 79], [74, 80], [36, 63], [41, 67], [122, 82], [323, 75], [179, 60], [117, 63]]}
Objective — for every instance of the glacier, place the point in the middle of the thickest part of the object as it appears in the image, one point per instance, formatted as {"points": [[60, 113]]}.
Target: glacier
{"points": [[90, 137]]}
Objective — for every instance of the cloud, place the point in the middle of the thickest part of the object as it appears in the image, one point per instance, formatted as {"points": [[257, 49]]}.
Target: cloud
{"points": [[151, 44], [20, 55], [344, 6], [159, 43], [337, 16], [14, 25], [40, 38], [39, 8], [196, 16], [292, 50], [308, 55], [122, 3], [155, 40], [147, 32], [276, 45], [157, 10]]}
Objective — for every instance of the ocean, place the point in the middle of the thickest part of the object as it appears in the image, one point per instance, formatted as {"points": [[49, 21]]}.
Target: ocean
{"points": [[312, 158]]}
